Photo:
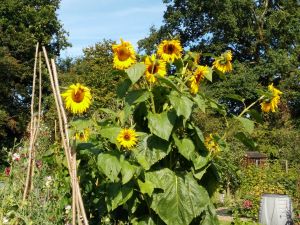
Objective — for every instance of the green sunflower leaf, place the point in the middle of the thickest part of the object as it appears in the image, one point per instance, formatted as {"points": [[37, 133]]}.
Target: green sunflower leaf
{"points": [[151, 150], [111, 133], [182, 198], [136, 71], [182, 104], [109, 164], [247, 124], [162, 124], [118, 194], [137, 96]]}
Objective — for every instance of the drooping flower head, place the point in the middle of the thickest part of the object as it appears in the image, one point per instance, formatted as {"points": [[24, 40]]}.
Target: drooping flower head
{"points": [[77, 98], [127, 138], [197, 77], [271, 104], [154, 66], [169, 50], [211, 145], [83, 135], [124, 55], [223, 63]]}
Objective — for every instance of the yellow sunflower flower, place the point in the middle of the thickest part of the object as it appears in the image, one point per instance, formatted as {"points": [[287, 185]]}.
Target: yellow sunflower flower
{"points": [[124, 55], [77, 98], [83, 135], [223, 63], [197, 77], [271, 104], [211, 145], [169, 50], [154, 66], [127, 138]]}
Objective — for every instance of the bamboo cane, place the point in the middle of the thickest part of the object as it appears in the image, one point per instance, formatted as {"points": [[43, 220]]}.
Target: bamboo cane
{"points": [[28, 183], [63, 126], [64, 117]]}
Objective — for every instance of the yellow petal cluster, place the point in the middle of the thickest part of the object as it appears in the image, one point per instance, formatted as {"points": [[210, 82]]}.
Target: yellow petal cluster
{"points": [[169, 50], [154, 66], [271, 104], [197, 77], [77, 98], [124, 55], [127, 138], [211, 145], [83, 135], [223, 63]]}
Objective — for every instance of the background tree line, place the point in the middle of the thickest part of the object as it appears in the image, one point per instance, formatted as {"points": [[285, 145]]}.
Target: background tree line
{"points": [[262, 34]]}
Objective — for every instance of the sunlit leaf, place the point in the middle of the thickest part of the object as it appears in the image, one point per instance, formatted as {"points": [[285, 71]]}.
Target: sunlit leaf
{"points": [[109, 164], [182, 198], [247, 124], [136, 71], [162, 124], [182, 104]]}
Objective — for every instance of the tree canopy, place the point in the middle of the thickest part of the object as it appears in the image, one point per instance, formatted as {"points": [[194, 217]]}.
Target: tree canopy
{"points": [[23, 23]]}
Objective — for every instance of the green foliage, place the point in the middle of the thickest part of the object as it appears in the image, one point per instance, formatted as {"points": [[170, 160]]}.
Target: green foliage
{"points": [[22, 24], [50, 196], [270, 179]]}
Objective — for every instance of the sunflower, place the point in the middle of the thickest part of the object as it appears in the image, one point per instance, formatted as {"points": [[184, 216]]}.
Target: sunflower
{"points": [[154, 66], [197, 77], [127, 138], [77, 98], [211, 145], [169, 50], [83, 135], [124, 55], [271, 104], [223, 63]]}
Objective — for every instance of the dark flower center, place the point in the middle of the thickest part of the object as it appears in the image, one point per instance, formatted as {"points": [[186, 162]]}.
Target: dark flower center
{"points": [[169, 49], [127, 137], [123, 54], [153, 69], [78, 96]]}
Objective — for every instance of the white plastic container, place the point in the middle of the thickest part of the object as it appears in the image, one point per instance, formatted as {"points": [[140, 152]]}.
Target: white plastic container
{"points": [[275, 210]]}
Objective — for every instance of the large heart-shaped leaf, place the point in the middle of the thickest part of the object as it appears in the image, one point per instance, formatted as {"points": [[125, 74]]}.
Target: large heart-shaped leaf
{"points": [[137, 96], [109, 164], [151, 150], [182, 104], [136, 71], [182, 198], [162, 124], [111, 133]]}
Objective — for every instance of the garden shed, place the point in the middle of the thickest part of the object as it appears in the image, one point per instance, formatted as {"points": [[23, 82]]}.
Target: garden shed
{"points": [[254, 157]]}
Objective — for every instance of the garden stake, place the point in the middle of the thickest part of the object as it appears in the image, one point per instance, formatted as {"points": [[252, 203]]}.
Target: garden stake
{"points": [[63, 126], [28, 184], [64, 117]]}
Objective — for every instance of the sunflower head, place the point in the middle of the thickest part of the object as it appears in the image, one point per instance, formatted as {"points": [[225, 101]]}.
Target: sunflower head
{"points": [[271, 104], [169, 50], [127, 138], [197, 77], [124, 55], [223, 63], [77, 98], [211, 145], [154, 66], [83, 135]]}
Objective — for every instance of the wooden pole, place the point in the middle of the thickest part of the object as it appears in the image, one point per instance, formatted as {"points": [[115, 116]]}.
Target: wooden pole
{"points": [[28, 183]]}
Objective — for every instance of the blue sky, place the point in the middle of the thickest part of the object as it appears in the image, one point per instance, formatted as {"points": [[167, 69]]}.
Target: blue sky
{"points": [[91, 21]]}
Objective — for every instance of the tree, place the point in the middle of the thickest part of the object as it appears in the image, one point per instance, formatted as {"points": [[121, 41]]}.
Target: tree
{"points": [[23, 23], [263, 35]]}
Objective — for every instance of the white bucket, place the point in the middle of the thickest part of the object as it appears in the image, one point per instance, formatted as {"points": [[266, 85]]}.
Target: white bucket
{"points": [[275, 210]]}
